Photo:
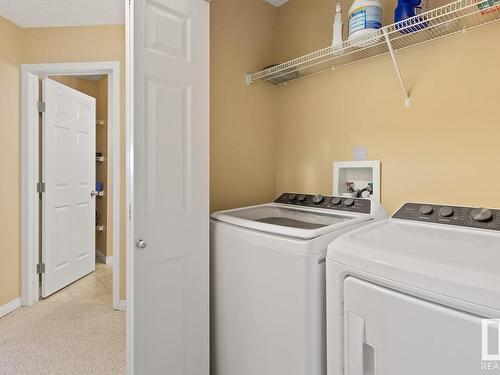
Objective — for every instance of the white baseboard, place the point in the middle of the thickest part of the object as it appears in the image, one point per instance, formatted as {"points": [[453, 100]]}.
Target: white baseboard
{"points": [[123, 305], [9, 307], [103, 258]]}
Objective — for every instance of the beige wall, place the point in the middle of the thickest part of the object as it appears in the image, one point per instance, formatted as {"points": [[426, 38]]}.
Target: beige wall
{"points": [[242, 117], [44, 45], [445, 148], [10, 59], [442, 149]]}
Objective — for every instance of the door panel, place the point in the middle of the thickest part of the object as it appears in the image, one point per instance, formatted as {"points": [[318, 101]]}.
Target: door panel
{"points": [[169, 153], [171, 213], [168, 31], [68, 171], [390, 333]]}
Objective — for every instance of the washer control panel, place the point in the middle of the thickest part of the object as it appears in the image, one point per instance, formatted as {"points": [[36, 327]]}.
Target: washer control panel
{"points": [[329, 202], [483, 218]]}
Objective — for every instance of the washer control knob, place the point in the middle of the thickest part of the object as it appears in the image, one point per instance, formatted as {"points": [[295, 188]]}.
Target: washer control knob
{"points": [[426, 209], [317, 199], [348, 202], [292, 197], [446, 211], [301, 198], [336, 201], [481, 214]]}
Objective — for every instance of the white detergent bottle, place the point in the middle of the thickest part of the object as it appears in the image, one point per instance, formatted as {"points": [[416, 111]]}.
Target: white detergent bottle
{"points": [[365, 21], [337, 28]]}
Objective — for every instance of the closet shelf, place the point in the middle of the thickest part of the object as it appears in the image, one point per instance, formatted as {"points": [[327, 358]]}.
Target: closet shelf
{"points": [[457, 16]]}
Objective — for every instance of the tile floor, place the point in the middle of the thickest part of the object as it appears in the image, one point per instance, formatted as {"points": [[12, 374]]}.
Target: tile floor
{"points": [[95, 288]]}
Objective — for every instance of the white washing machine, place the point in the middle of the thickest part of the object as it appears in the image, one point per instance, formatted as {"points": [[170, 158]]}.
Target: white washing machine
{"points": [[409, 295], [268, 282]]}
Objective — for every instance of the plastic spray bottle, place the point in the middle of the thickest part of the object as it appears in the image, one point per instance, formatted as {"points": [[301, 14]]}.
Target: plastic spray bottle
{"points": [[337, 28]]}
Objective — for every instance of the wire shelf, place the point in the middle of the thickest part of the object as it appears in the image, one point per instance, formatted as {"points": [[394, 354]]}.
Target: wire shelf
{"points": [[449, 19]]}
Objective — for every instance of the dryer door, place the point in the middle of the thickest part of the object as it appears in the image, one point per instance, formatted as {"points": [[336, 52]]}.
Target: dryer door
{"points": [[390, 333]]}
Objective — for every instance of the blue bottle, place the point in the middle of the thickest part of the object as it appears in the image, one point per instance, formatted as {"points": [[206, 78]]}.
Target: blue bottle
{"points": [[407, 9]]}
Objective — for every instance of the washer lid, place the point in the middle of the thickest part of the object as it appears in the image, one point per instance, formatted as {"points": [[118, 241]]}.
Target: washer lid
{"points": [[457, 263], [301, 223]]}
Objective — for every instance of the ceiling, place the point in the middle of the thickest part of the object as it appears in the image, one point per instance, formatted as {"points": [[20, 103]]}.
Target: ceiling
{"points": [[277, 3], [52, 13]]}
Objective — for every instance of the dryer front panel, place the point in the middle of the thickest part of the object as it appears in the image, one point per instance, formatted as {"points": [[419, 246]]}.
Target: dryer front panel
{"points": [[391, 333]]}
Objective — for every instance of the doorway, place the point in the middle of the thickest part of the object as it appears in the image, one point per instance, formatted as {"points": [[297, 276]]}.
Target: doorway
{"points": [[88, 94], [106, 159]]}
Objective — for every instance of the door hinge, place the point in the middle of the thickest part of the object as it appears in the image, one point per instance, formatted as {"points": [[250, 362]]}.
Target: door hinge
{"points": [[40, 106], [40, 187], [40, 268]]}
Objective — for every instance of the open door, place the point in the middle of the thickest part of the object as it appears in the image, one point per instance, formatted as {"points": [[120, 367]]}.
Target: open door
{"points": [[171, 187], [68, 172]]}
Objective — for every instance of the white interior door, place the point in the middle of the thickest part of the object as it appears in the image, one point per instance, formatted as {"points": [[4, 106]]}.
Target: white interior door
{"points": [[68, 171], [171, 196]]}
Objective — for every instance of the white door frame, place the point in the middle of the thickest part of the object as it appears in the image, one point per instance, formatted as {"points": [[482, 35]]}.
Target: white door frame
{"points": [[129, 173], [30, 161]]}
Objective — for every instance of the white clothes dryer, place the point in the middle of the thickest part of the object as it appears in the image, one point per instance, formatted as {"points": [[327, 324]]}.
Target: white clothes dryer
{"points": [[411, 294]]}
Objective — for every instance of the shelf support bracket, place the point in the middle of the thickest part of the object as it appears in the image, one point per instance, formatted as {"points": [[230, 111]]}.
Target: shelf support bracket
{"points": [[248, 79], [396, 66]]}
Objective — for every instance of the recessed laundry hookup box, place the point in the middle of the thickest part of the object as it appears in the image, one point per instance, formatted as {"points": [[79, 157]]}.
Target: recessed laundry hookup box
{"points": [[357, 179]]}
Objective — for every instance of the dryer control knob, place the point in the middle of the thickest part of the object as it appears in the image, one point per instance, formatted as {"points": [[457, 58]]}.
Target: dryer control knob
{"points": [[446, 211], [301, 198], [317, 199], [291, 197], [426, 209], [336, 201], [348, 202], [481, 214]]}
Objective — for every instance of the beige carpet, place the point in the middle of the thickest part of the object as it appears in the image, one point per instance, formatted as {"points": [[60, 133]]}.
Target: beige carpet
{"points": [[59, 336]]}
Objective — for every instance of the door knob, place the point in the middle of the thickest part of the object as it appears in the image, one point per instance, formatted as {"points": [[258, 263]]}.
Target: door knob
{"points": [[93, 193], [141, 244]]}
